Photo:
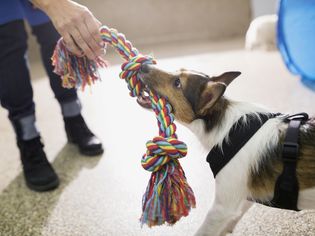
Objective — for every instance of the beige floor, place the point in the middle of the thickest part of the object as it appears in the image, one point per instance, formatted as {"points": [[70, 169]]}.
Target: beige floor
{"points": [[102, 195]]}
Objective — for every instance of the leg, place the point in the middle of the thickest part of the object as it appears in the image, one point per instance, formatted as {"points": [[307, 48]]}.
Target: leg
{"points": [[16, 96], [243, 209], [16, 92], [220, 220], [47, 37], [227, 206], [76, 128]]}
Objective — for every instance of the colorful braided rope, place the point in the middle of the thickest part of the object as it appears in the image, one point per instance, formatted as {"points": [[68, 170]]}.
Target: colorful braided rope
{"points": [[168, 196]]}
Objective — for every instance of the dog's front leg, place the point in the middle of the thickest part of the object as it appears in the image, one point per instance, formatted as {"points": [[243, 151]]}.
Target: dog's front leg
{"points": [[219, 221], [227, 207], [243, 209]]}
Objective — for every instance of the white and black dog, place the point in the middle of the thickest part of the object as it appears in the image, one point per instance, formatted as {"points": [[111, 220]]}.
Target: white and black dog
{"points": [[253, 170]]}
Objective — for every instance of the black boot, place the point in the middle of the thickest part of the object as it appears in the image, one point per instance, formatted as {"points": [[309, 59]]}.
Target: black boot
{"points": [[79, 134], [39, 174]]}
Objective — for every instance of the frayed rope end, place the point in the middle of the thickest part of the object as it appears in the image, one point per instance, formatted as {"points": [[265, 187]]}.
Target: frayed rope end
{"points": [[75, 71], [168, 196]]}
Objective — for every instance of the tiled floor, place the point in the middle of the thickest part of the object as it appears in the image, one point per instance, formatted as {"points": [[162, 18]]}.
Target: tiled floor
{"points": [[102, 195]]}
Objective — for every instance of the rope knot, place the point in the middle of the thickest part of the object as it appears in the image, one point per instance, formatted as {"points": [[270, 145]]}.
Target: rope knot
{"points": [[130, 71], [160, 151]]}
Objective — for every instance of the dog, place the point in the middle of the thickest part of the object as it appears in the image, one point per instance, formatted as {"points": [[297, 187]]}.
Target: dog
{"points": [[199, 103], [261, 33]]}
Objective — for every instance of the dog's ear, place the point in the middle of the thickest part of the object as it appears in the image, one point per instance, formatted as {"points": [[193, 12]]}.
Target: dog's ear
{"points": [[226, 77], [213, 90], [209, 96]]}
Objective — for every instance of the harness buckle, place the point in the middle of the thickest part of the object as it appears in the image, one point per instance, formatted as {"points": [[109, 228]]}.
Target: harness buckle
{"points": [[299, 116], [290, 152]]}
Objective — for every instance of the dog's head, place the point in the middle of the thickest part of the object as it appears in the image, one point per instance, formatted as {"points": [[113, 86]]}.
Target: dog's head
{"points": [[191, 94]]}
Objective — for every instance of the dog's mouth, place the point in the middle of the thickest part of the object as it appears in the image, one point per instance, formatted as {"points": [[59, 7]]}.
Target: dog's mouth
{"points": [[144, 99]]}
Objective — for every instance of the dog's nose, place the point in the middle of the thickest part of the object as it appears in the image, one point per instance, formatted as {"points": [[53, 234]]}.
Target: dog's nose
{"points": [[145, 68]]}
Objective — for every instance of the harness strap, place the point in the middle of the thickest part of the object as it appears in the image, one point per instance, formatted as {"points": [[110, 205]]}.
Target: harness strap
{"points": [[287, 187], [238, 136]]}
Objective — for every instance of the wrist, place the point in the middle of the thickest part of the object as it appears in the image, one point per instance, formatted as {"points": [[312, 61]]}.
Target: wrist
{"points": [[47, 5]]}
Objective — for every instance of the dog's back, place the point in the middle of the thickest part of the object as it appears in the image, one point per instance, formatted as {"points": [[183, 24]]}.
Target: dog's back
{"points": [[306, 163], [263, 178]]}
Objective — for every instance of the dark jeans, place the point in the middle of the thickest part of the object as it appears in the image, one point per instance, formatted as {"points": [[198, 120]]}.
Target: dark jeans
{"points": [[16, 94]]}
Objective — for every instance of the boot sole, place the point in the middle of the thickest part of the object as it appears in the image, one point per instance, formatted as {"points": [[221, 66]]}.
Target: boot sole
{"points": [[92, 153], [89, 153], [44, 188]]}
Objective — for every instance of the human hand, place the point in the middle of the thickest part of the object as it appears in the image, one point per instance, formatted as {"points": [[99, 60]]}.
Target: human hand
{"points": [[76, 24]]}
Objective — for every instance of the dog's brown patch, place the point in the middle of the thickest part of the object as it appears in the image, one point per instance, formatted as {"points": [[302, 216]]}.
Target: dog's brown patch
{"points": [[262, 181], [306, 164]]}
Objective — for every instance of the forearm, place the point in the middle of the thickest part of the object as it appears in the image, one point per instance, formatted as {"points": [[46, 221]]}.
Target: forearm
{"points": [[45, 5], [54, 8]]}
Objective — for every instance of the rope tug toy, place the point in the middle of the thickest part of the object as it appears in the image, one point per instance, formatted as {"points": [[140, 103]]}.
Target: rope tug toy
{"points": [[168, 196]]}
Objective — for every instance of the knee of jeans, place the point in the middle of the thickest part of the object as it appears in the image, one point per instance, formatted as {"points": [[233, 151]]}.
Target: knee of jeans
{"points": [[13, 38]]}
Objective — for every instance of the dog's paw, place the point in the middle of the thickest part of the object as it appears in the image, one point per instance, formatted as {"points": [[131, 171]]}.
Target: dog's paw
{"points": [[203, 232]]}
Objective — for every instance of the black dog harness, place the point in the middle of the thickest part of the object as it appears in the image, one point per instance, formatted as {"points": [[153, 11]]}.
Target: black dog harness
{"points": [[286, 188]]}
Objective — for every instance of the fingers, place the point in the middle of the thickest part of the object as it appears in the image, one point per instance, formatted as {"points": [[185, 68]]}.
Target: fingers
{"points": [[91, 36], [71, 45], [87, 37], [93, 25], [76, 35]]}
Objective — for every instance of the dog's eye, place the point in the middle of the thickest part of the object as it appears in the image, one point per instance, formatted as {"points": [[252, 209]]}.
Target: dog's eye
{"points": [[177, 83]]}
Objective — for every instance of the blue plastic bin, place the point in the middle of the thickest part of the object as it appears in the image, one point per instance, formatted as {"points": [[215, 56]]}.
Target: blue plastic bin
{"points": [[296, 38]]}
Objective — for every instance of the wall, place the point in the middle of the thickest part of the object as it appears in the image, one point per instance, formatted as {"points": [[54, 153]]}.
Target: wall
{"points": [[156, 21], [263, 7]]}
